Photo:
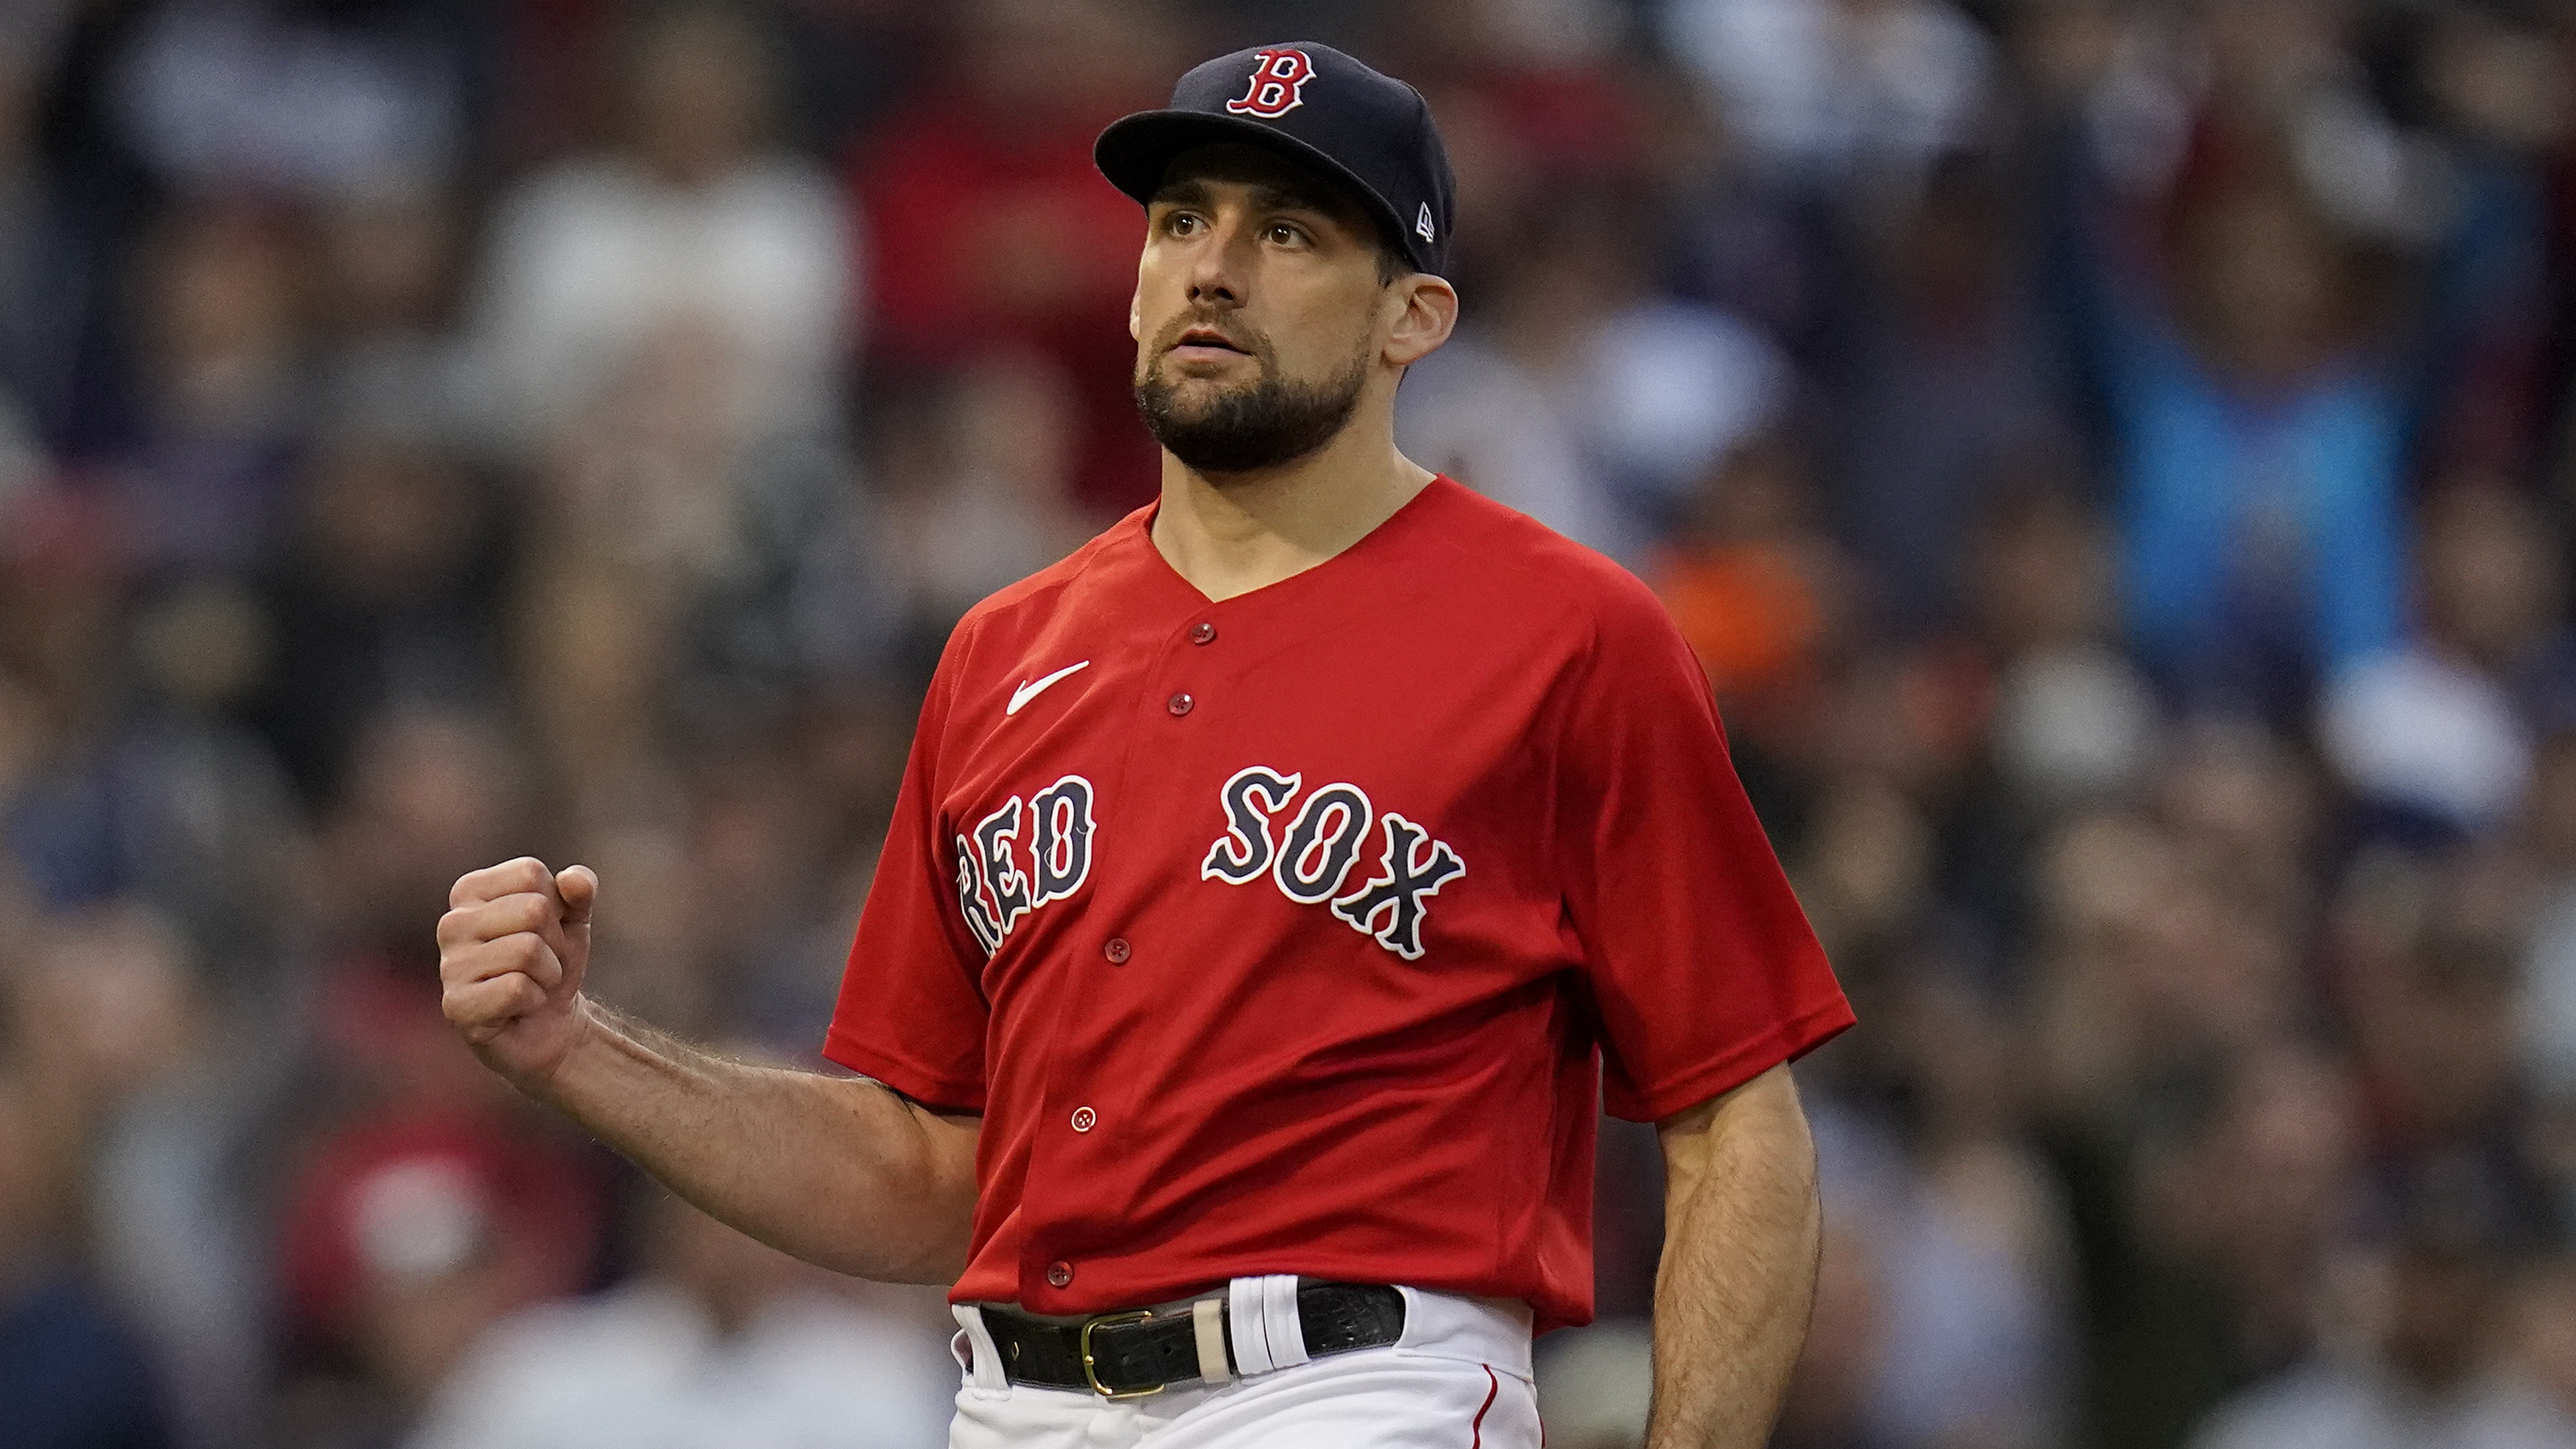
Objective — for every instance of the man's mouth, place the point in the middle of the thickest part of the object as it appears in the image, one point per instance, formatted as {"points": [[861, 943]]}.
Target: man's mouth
{"points": [[1207, 339]]}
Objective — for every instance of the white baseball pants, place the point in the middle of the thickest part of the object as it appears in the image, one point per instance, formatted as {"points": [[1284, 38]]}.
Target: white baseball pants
{"points": [[1459, 1378]]}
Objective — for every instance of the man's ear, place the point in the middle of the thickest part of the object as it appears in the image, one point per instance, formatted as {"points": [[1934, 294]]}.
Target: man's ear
{"points": [[1426, 312]]}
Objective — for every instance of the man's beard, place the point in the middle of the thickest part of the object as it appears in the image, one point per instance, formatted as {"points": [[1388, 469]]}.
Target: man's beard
{"points": [[1271, 422]]}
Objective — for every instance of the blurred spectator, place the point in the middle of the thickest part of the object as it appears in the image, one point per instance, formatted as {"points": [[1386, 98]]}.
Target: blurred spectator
{"points": [[694, 223], [1751, 245], [2548, 1007], [408, 1234], [2074, 722], [120, 1025], [430, 791], [223, 392], [1828, 1399], [2546, 1347], [2206, 1265], [420, 1199], [977, 488], [2432, 1369], [1946, 387], [70, 1375], [293, 95], [2429, 985], [128, 778], [44, 274], [1959, 1242], [386, 596], [2257, 451], [1532, 100], [1622, 396], [1837, 92], [1757, 589], [60, 580], [733, 904], [209, 818], [2440, 731], [717, 1341], [675, 569], [2491, 87], [992, 229], [1473, 413], [1596, 1384], [2145, 972], [389, 362], [593, 648]]}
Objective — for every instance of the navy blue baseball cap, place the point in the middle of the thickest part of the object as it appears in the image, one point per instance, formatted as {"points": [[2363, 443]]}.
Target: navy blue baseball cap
{"points": [[1311, 103]]}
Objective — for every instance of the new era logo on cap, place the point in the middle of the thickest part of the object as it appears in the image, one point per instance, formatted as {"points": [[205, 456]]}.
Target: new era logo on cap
{"points": [[1369, 133]]}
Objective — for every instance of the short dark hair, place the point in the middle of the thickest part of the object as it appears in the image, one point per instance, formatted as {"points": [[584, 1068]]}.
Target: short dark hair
{"points": [[1392, 263]]}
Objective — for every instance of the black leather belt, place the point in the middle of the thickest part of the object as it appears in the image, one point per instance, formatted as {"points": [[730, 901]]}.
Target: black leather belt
{"points": [[1124, 1355]]}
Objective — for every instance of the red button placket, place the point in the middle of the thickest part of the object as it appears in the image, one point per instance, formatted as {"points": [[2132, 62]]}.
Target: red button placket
{"points": [[1072, 1125]]}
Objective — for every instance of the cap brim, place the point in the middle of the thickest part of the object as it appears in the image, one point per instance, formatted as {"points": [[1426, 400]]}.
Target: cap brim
{"points": [[1136, 150]]}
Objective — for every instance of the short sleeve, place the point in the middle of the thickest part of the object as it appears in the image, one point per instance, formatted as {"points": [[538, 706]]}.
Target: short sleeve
{"points": [[912, 1012], [1701, 963]]}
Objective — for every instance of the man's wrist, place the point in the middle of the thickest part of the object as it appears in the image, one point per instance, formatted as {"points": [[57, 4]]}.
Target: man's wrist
{"points": [[558, 1083]]}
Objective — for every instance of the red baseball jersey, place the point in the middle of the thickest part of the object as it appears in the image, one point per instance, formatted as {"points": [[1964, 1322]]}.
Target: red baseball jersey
{"points": [[1306, 932]]}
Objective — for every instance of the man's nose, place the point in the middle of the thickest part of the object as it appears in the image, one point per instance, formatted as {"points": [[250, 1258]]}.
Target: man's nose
{"points": [[1216, 272]]}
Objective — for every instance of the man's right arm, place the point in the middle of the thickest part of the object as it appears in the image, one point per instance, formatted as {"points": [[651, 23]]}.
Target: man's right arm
{"points": [[839, 1171]]}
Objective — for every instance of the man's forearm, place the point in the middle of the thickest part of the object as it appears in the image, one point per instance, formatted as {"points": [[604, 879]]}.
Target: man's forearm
{"points": [[1741, 1226], [838, 1171]]}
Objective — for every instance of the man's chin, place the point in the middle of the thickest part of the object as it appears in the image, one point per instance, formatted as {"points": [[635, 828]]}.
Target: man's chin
{"points": [[1195, 399]]}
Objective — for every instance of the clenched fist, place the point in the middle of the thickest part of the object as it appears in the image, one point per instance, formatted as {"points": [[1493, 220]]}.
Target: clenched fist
{"points": [[511, 952]]}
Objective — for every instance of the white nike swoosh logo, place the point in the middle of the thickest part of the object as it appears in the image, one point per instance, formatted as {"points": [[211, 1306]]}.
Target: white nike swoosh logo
{"points": [[1033, 689]]}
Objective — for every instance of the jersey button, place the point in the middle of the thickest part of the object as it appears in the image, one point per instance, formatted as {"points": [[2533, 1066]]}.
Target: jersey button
{"points": [[1084, 1119], [1181, 704], [1117, 951], [1060, 1274], [1202, 632]]}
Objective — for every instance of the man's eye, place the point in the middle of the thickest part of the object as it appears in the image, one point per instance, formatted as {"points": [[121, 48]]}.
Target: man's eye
{"points": [[1181, 224], [1284, 234]]}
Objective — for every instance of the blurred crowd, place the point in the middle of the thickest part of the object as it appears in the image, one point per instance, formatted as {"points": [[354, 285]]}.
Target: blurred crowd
{"points": [[2116, 459]]}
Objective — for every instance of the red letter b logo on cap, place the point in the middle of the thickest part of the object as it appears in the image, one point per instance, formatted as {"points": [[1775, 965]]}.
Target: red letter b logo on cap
{"points": [[1278, 84]]}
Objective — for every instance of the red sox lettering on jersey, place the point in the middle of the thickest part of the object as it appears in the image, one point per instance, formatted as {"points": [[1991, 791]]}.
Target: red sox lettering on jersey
{"points": [[992, 891], [1307, 931], [1278, 84], [1324, 842]]}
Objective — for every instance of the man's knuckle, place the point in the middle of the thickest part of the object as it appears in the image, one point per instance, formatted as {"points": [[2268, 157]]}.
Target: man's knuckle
{"points": [[458, 1005]]}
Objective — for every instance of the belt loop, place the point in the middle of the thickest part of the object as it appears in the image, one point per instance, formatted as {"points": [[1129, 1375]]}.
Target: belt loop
{"points": [[1207, 1318], [1251, 1324], [1287, 1331], [988, 1359]]}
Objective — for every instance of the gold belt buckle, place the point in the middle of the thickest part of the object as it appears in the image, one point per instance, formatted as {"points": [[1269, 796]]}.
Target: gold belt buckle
{"points": [[1091, 1371]]}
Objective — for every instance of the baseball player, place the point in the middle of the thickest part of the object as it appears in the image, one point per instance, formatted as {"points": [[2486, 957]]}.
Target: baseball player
{"points": [[1278, 888]]}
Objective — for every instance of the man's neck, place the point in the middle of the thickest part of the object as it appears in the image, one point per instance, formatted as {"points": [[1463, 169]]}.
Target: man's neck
{"points": [[1249, 530]]}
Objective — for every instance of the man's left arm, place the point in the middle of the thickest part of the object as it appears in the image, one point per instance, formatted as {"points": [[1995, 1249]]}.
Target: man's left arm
{"points": [[1742, 1224]]}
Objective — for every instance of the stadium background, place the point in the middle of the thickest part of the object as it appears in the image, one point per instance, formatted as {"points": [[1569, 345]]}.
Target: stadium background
{"points": [[2113, 457]]}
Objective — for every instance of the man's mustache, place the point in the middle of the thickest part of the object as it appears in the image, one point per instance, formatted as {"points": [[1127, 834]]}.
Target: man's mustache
{"points": [[1246, 340]]}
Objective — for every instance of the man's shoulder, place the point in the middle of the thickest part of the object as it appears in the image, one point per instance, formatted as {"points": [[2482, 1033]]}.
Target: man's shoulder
{"points": [[1521, 566]]}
